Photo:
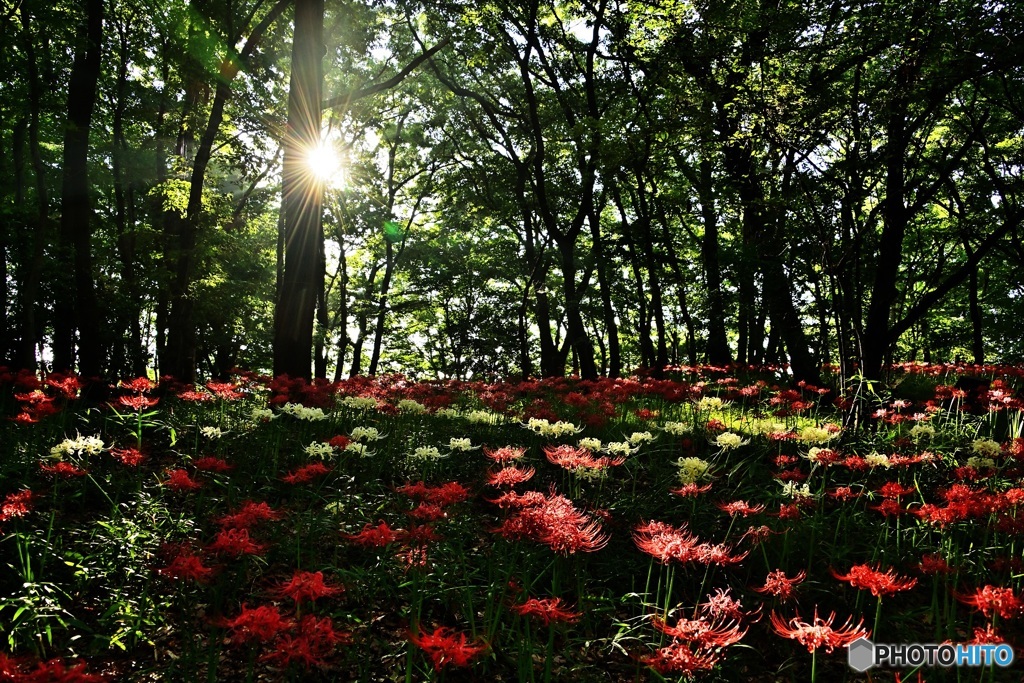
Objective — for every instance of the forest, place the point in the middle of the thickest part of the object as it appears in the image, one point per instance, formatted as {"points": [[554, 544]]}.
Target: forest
{"points": [[460, 190]]}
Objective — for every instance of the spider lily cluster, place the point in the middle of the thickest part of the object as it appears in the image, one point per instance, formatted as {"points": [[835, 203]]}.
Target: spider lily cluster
{"points": [[544, 530]]}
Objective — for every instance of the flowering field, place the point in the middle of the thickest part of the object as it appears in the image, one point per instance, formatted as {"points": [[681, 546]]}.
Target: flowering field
{"points": [[714, 526]]}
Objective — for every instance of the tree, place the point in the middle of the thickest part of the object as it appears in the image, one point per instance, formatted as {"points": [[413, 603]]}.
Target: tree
{"points": [[302, 199]]}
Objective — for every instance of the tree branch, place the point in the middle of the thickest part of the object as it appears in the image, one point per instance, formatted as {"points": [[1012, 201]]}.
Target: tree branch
{"points": [[347, 99]]}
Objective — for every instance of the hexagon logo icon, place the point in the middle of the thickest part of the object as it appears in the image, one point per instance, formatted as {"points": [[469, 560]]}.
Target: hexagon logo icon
{"points": [[861, 654]]}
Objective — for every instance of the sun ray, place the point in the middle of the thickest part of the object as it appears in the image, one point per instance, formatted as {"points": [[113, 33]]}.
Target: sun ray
{"points": [[325, 164]]}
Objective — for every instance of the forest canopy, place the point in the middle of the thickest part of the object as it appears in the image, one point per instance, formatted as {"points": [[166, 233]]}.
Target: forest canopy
{"points": [[509, 188]]}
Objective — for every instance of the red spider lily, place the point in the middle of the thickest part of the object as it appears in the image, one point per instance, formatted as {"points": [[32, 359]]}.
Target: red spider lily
{"points": [[249, 515], [993, 600], [795, 474], [546, 610], [68, 386], [757, 534], [554, 521], [1015, 448], [339, 442], [1014, 496], [971, 502], [843, 493], [827, 457], [444, 646], [427, 512], [856, 463], [52, 671], [818, 632], [939, 516], [211, 464], [139, 385], [739, 507], [414, 557], [128, 456], [17, 505], [186, 565], [443, 495], [376, 536], [722, 604], [420, 534], [306, 474], [890, 507], [510, 476], [178, 480], [196, 396], [934, 564], [224, 390], [986, 635], [573, 458], [893, 489], [875, 580], [717, 553], [235, 542], [64, 470], [519, 500], [259, 624], [681, 658], [33, 398], [137, 403], [313, 643], [691, 490], [790, 511], [307, 586], [505, 454], [664, 542], [706, 633], [779, 585]]}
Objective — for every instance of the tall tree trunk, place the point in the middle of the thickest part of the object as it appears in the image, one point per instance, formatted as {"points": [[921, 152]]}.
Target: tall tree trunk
{"points": [[612, 357], [161, 219], [643, 319], [78, 307], [577, 338], [895, 217], [303, 196], [130, 351], [537, 261], [357, 347], [181, 341], [653, 278], [382, 305], [718, 347], [977, 340], [322, 324], [25, 353], [684, 308], [342, 318]]}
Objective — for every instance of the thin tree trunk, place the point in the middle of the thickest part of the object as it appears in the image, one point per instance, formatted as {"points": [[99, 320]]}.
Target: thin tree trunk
{"points": [[718, 347], [611, 359], [357, 347], [643, 324], [28, 294], [977, 339], [653, 278], [124, 200]]}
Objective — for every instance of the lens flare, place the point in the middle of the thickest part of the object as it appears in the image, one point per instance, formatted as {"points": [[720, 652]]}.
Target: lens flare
{"points": [[325, 165]]}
